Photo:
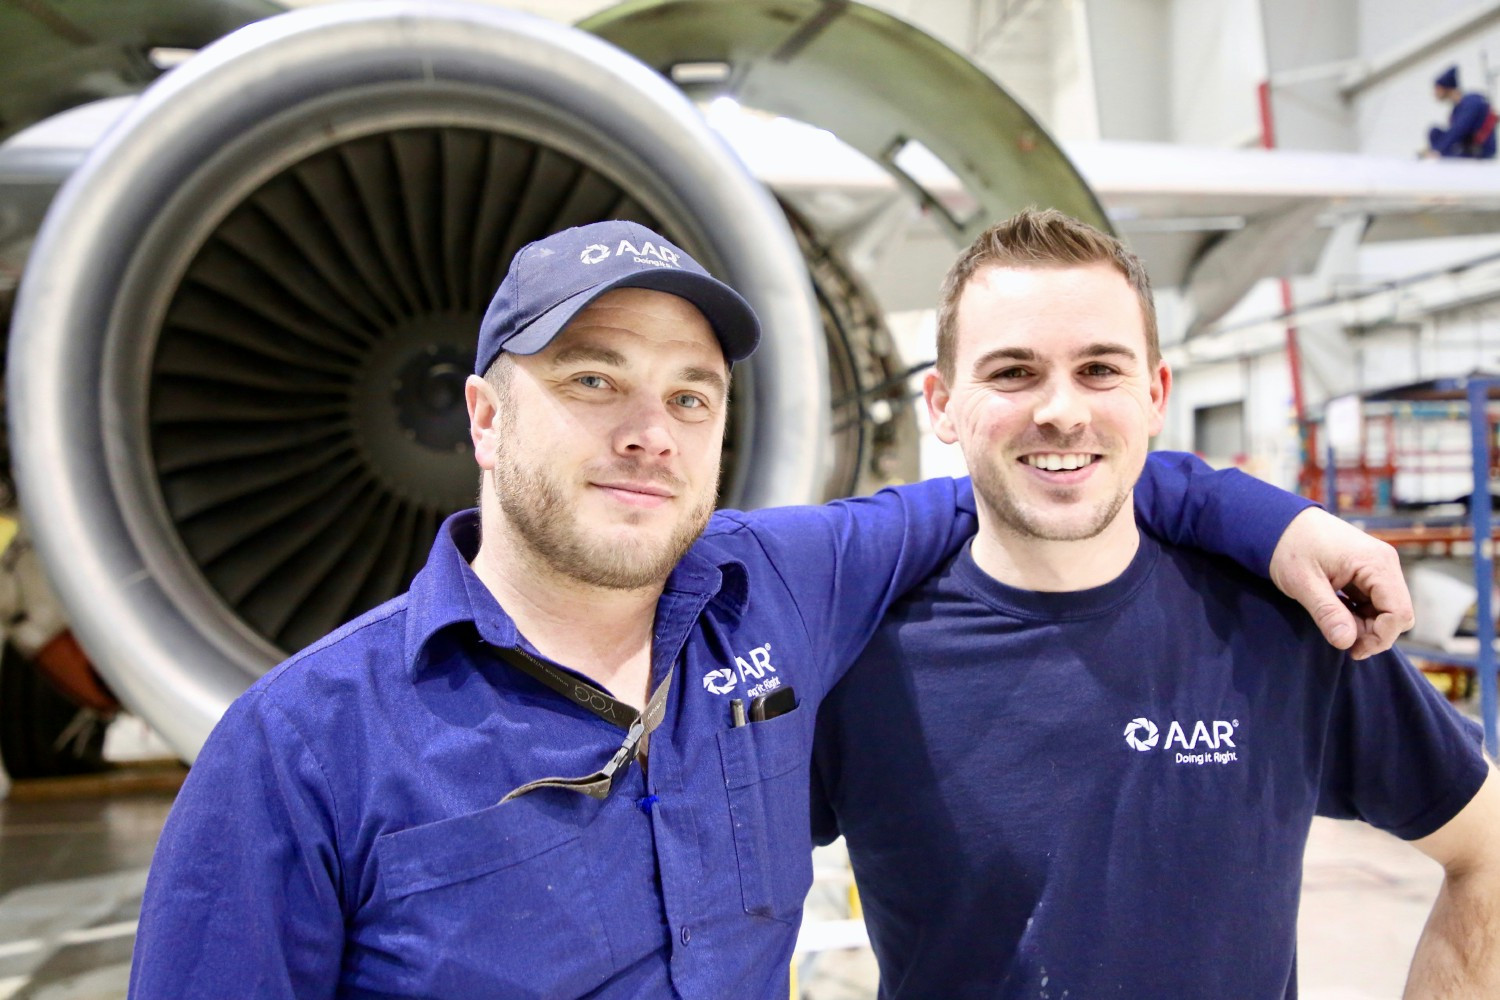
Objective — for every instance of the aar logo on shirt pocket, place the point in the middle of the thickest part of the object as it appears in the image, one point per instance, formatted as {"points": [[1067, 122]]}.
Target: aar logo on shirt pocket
{"points": [[754, 670]]}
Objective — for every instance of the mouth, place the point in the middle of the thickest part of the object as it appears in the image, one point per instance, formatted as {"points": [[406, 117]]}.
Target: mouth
{"points": [[1053, 461], [636, 494]]}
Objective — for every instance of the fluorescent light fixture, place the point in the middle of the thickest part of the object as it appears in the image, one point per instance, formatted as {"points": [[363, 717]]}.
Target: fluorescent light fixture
{"points": [[688, 74]]}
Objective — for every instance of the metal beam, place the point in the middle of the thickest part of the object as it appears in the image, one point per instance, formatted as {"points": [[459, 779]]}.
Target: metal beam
{"points": [[1400, 302], [1478, 391], [1458, 28]]}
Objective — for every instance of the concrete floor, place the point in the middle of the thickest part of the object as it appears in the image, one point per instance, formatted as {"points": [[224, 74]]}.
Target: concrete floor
{"points": [[72, 870], [71, 876]]}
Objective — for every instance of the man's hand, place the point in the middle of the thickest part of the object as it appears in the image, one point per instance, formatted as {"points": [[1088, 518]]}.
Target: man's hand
{"points": [[1318, 555]]}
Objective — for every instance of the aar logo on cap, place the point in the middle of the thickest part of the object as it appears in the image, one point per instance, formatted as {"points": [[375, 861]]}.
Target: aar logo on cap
{"points": [[552, 279], [658, 254]]}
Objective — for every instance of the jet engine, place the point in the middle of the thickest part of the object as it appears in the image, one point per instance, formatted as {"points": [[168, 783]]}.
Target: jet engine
{"points": [[235, 366]]}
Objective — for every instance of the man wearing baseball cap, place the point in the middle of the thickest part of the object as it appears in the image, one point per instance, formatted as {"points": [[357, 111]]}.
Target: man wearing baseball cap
{"points": [[572, 760], [1471, 124]]}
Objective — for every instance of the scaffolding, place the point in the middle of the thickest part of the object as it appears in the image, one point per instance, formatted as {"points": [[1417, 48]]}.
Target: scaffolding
{"points": [[1421, 477]]}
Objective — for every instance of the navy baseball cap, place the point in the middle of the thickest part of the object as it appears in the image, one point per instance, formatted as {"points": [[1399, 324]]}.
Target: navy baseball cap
{"points": [[1447, 79], [551, 280]]}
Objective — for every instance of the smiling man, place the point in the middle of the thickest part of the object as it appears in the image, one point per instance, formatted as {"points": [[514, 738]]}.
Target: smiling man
{"points": [[1080, 762], [573, 759], [575, 527]]}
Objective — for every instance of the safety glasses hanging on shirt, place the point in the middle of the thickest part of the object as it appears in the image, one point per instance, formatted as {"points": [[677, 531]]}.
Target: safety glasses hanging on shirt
{"points": [[637, 725]]}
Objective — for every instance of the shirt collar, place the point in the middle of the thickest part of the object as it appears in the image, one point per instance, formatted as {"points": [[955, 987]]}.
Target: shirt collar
{"points": [[447, 591]]}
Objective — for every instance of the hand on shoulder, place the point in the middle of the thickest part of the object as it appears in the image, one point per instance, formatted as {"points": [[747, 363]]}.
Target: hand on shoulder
{"points": [[1349, 582]]}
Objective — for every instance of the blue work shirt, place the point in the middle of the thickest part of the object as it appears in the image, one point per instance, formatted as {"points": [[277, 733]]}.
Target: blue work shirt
{"points": [[340, 834]]}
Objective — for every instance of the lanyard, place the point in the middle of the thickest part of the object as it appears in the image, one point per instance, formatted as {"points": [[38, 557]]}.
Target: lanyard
{"points": [[637, 725]]}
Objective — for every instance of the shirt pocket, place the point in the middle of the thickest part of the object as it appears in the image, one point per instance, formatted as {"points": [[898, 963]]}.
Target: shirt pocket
{"points": [[766, 776], [475, 905]]}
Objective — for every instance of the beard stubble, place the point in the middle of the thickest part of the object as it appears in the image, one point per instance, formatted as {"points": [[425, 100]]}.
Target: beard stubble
{"points": [[537, 508]]}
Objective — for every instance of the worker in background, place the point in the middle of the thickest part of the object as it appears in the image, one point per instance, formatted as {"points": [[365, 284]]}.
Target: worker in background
{"points": [[1081, 762], [1471, 127]]}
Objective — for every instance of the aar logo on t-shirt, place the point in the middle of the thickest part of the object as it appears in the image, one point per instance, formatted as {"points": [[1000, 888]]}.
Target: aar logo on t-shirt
{"points": [[1207, 742]]}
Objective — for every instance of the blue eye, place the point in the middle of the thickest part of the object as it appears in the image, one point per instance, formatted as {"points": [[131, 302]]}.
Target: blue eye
{"points": [[688, 400], [592, 381]]}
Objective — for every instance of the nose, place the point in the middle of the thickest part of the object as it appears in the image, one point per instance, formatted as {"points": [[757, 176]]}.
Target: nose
{"points": [[645, 431], [1062, 406]]}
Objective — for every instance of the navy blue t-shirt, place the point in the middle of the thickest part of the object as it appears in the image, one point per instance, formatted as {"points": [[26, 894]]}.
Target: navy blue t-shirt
{"points": [[1107, 793]]}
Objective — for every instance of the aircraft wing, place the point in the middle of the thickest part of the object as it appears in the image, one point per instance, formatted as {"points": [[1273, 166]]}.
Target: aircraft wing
{"points": [[1213, 222]]}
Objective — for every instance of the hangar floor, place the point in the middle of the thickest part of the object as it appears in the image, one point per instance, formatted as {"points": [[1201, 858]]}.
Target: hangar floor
{"points": [[73, 861]]}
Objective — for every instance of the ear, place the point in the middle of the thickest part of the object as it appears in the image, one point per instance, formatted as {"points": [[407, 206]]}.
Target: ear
{"points": [[1161, 387], [935, 390], [484, 418]]}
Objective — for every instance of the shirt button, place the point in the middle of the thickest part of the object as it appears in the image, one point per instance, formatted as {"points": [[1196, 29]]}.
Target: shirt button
{"points": [[687, 934]]}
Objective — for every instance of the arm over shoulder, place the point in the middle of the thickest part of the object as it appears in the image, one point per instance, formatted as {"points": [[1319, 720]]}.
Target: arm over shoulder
{"points": [[846, 562], [1182, 500], [1308, 553]]}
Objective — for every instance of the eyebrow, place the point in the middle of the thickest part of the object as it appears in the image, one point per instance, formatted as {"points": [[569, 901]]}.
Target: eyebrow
{"points": [[1106, 349], [1101, 349], [704, 376], [588, 352]]}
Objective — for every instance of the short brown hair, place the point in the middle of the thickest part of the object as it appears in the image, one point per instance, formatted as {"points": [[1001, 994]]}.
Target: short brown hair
{"points": [[1039, 238], [499, 374]]}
